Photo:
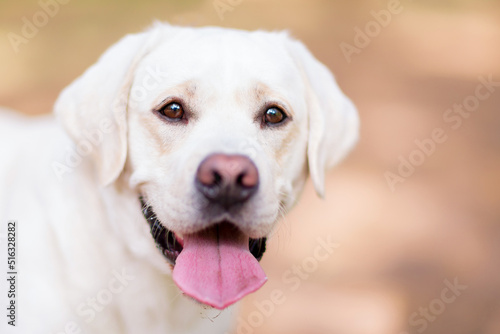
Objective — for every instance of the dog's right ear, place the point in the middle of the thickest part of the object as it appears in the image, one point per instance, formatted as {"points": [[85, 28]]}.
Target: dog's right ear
{"points": [[93, 109]]}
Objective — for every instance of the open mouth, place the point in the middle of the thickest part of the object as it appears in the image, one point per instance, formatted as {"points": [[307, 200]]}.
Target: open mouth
{"points": [[217, 266], [171, 244]]}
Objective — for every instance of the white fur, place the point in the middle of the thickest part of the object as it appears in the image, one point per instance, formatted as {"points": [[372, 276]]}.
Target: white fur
{"points": [[77, 226]]}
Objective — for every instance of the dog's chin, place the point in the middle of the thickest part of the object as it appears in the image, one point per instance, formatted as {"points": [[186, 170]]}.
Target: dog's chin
{"points": [[171, 243]]}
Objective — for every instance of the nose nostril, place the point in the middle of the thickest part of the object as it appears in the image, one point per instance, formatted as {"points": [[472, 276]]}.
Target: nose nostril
{"points": [[217, 178], [240, 179], [250, 177]]}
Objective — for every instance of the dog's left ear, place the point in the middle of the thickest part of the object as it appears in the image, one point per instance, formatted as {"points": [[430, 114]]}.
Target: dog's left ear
{"points": [[333, 118], [93, 109]]}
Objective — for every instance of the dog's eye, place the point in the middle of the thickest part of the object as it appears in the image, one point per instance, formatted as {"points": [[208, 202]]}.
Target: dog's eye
{"points": [[274, 116], [173, 111]]}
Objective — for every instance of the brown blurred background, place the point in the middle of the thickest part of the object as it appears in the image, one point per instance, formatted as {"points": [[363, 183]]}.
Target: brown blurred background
{"points": [[398, 251]]}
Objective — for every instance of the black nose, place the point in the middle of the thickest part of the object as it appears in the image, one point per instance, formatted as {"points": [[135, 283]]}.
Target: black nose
{"points": [[227, 179]]}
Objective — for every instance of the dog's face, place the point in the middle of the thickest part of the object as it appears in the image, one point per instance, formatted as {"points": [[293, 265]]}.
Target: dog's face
{"points": [[229, 94], [215, 130]]}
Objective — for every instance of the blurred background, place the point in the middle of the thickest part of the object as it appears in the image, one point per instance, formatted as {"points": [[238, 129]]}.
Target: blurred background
{"points": [[414, 220]]}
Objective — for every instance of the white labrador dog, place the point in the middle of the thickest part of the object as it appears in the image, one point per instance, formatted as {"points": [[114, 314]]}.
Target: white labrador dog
{"points": [[181, 150]]}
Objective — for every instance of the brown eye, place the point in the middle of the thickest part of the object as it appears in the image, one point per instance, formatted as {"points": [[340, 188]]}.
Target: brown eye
{"points": [[274, 116], [173, 111]]}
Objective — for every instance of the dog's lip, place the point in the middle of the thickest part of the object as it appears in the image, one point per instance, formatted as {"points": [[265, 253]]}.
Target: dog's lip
{"points": [[171, 243]]}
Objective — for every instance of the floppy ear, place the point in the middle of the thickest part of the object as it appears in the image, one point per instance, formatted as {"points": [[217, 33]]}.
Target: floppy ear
{"points": [[333, 118], [93, 108]]}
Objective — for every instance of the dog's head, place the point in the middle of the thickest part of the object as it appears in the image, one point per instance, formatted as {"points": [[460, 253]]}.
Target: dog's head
{"points": [[216, 131]]}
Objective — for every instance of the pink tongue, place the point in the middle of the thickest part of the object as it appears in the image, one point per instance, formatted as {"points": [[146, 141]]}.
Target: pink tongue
{"points": [[216, 268]]}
